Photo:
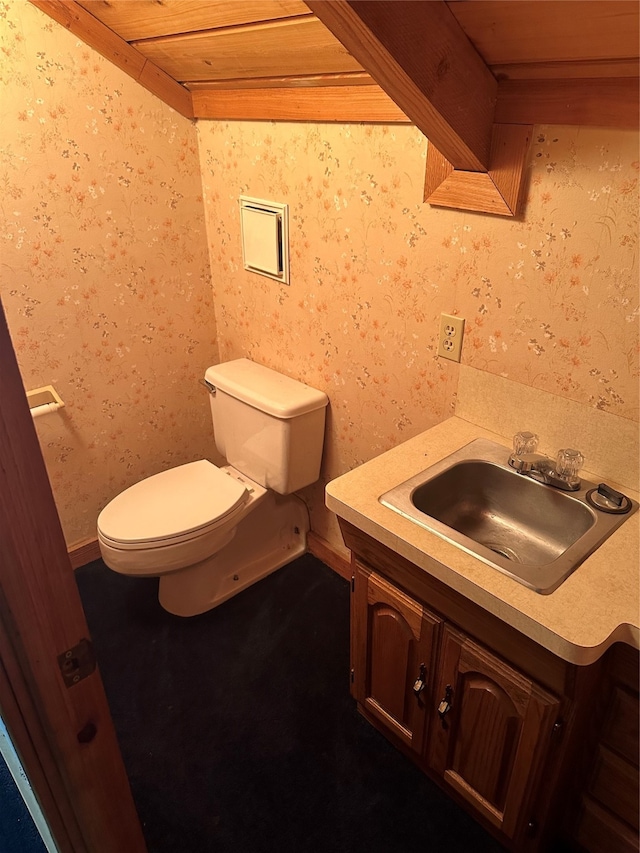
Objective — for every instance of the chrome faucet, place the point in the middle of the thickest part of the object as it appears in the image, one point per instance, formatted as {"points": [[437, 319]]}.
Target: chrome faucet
{"points": [[561, 474]]}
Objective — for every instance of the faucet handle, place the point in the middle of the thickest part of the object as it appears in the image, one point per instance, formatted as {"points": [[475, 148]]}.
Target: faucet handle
{"points": [[568, 463], [525, 442]]}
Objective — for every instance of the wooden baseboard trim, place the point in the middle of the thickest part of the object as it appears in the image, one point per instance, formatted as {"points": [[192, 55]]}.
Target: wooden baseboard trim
{"points": [[331, 557], [85, 552]]}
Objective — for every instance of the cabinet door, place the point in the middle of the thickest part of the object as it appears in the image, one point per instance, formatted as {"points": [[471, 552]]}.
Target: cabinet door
{"points": [[393, 654], [490, 732]]}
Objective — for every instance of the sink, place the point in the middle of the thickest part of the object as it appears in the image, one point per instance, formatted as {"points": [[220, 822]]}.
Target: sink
{"points": [[511, 515], [536, 534]]}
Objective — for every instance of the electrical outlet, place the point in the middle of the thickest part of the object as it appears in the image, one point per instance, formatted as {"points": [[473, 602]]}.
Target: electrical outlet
{"points": [[451, 334]]}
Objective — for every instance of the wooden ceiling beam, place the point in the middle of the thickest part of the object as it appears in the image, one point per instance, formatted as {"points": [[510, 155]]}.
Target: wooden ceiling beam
{"points": [[498, 191], [418, 53]]}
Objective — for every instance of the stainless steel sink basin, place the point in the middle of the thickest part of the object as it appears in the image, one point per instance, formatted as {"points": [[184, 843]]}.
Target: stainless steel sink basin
{"points": [[530, 531]]}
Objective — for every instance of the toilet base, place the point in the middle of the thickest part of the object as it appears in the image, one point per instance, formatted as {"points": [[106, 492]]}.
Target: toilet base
{"points": [[269, 537]]}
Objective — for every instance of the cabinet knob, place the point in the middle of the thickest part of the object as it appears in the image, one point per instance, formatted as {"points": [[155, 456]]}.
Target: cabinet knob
{"points": [[421, 681], [445, 705]]}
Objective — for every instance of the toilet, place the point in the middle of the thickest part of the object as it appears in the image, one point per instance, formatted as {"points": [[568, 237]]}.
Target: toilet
{"points": [[209, 532]]}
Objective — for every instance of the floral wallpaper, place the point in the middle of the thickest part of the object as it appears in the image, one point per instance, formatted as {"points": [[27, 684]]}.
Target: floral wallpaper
{"points": [[110, 283], [104, 272], [550, 299]]}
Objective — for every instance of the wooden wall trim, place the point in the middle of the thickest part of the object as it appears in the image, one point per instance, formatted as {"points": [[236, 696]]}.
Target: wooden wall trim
{"points": [[84, 553], [597, 102], [419, 55], [98, 36], [330, 556], [321, 104], [497, 191]]}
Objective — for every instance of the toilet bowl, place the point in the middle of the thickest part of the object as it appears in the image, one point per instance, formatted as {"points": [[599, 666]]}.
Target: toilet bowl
{"points": [[174, 519], [209, 532]]}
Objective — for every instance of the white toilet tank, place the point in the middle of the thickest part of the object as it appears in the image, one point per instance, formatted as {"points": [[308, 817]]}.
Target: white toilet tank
{"points": [[266, 425]]}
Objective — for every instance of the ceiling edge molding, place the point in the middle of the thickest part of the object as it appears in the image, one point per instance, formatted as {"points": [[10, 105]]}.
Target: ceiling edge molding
{"points": [[321, 104], [595, 102]]}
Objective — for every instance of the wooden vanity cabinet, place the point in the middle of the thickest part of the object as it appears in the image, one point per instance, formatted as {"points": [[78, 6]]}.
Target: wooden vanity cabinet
{"points": [[393, 655], [487, 713], [608, 819], [491, 731]]}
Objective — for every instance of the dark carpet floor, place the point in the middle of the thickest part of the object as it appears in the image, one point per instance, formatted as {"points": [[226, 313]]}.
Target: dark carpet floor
{"points": [[18, 833], [238, 731]]}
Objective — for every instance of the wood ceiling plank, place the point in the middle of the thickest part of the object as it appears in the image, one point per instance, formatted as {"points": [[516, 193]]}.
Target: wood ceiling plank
{"points": [[352, 78], [298, 46], [596, 103], [323, 104], [98, 36], [564, 70], [532, 31], [137, 19], [419, 55]]}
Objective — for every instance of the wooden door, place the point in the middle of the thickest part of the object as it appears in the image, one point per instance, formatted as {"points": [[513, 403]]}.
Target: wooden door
{"points": [[63, 734], [491, 731], [393, 656]]}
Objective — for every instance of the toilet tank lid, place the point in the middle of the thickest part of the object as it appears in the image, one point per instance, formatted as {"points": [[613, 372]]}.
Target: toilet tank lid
{"points": [[265, 389]]}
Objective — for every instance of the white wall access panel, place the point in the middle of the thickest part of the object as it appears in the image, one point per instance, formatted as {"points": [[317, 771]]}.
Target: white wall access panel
{"points": [[265, 237]]}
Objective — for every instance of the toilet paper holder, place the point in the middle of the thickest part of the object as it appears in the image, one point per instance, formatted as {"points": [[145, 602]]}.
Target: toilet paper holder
{"points": [[44, 400]]}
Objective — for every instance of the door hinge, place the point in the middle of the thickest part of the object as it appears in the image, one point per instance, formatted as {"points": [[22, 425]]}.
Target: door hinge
{"points": [[353, 583], [77, 663], [352, 675]]}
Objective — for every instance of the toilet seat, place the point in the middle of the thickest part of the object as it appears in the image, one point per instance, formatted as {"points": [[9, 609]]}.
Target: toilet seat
{"points": [[178, 505]]}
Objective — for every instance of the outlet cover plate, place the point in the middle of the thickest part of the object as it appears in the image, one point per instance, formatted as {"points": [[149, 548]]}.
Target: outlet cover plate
{"points": [[451, 335]]}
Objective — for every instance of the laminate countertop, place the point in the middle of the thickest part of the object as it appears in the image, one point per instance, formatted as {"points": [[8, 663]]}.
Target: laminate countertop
{"points": [[596, 606]]}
